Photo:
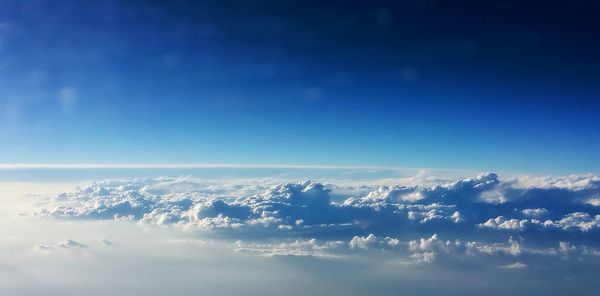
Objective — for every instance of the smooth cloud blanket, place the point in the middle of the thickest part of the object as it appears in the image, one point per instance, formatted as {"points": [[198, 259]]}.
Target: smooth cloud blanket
{"points": [[483, 215]]}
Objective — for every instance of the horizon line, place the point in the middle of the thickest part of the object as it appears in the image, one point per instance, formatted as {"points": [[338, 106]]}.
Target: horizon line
{"points": [[17, 166]]}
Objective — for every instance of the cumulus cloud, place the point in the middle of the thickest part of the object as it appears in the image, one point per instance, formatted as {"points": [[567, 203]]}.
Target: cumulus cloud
{"points": [[424, 250], [501, 223], [578, 220], [372, 241], [476, 216], [308, 205], [512, 247], [534, 212]]}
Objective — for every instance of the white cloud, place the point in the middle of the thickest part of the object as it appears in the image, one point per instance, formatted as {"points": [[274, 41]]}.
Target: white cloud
{"points": [[363, 243], [516, 265], [512, 247], [535, 212], [578, 220], [502, 223], [303, 218], [300, 248], [308, 205], [425, 244]]}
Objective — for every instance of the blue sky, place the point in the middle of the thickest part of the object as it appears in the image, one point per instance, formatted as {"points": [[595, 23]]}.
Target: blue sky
{"points": [[463, 85], [354, 147]]}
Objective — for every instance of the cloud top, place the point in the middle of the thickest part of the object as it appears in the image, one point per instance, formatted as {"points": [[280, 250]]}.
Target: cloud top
{"points": [[483, 202], [479, 215]]}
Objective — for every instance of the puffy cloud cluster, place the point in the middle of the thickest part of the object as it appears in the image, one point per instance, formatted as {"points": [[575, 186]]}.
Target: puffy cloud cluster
{"points": [[501, 223], [372, 241], [426, 250], [534, 212], [484, 201], [578, 220], [312, 218]]}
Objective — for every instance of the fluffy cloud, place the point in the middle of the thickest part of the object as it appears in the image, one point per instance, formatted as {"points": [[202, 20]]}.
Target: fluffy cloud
{"points": [[483, 201], [372, 241], [534, 212], [501, 223], [578, 220], [475, 215]]}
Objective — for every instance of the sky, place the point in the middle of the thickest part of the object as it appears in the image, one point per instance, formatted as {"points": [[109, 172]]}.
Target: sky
{"points": [[299, 147], [510, 86]]}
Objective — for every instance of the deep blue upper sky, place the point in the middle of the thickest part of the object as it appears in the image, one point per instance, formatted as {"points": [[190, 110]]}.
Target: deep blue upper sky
{"points": [[491, 85]]}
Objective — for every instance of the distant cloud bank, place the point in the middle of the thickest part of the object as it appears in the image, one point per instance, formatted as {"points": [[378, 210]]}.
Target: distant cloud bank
{"points": [[482, 215]]}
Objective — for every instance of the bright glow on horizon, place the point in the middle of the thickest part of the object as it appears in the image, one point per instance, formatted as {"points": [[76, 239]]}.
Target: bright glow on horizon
{"points": [[198, 166]]}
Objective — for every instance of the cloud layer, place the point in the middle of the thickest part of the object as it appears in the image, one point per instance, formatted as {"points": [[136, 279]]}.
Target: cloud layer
{"points": [[480, 215]]}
